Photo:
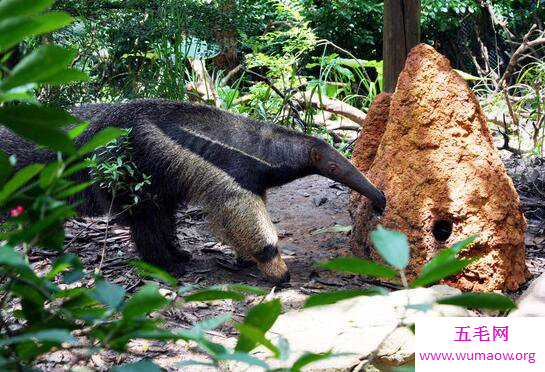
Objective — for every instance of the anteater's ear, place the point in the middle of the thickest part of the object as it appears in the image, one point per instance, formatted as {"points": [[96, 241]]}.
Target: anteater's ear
{"points": [[315, 155]]}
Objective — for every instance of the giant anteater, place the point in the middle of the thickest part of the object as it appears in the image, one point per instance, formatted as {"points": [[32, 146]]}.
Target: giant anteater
{"points": [[201, 154]]}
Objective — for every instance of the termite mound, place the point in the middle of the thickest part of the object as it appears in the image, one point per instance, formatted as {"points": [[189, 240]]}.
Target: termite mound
{"points": [[429, 148]]}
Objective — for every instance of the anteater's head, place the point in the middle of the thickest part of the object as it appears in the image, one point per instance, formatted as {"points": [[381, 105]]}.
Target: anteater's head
{"points": [[331, 164]]}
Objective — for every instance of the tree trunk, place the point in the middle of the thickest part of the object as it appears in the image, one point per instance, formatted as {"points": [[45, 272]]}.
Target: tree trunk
{"points": [[401, 34], [227, 37]]}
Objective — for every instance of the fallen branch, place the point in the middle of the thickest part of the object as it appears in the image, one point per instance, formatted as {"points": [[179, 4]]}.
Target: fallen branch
{"points": [[230, 75], [334, 106], [244, 98]]}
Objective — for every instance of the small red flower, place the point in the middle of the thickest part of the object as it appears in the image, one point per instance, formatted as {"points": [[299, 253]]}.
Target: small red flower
{"points": [[17, 211]]}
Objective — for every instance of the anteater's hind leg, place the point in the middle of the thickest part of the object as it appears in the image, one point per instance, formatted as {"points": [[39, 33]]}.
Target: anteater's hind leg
{"points": [[243, 222], [154, 233]]}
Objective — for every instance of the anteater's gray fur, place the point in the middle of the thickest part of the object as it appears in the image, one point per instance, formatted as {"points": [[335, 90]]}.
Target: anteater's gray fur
{"points": [[201, 154]]}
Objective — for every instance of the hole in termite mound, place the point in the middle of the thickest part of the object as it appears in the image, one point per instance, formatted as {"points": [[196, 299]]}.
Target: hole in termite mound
{"points": [[442, 229]]}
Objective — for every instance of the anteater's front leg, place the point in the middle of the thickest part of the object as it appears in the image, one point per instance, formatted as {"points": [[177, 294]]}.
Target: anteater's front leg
{"points": [[243, 222], [153, 230]]}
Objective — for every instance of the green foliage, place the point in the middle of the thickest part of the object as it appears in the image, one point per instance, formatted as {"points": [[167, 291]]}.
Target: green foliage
{"points": [[258, 321], [445, 15], [492, 301], [128, 45], [39, 198], [393, 246], [353, 25], [114, 170], [444, 264], [336, 296], [359, 266]]}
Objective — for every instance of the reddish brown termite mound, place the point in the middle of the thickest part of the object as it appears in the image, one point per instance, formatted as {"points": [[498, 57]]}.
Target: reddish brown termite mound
{"points": [[442, 176], [372, 131]]}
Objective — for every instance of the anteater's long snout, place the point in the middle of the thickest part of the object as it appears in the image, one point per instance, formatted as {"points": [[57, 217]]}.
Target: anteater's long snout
{"points": [[359, 183], [331, 164]]}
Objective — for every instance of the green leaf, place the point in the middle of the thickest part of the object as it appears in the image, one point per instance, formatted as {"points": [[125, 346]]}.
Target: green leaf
{"points": [[48, 174], [359, 266], [488, 301], [16, 29], [19, 179], [468, 76], [188, 363], [17, 8], [146, 300], [392, 245], [14, 95], [102, 138], [141, 366], [148, 270], [69, 75], [62, 263], [29, 114], [257, 336], [39, 124], [109, 294], [73, 190], [10, 257], [48, 223], [51, 335], [309, 358], [38, 66], [246, 289], [261, 317], [404, 369], [199, 329], [212, 295], [5, 168], [333, 229], [328, 298], [78, 130], [462, 244], [440, 271], [444, 264], [244, 358]]}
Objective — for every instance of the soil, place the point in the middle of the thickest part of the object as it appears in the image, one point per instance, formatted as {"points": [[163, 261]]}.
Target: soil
{"points": [[298, 209]]}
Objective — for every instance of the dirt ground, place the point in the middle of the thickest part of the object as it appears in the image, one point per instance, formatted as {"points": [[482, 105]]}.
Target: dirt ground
{"points": [[298, 209]]}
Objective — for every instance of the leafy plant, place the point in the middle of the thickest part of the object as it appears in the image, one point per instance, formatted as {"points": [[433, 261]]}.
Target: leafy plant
{"points": [[393, 247], [113, 169]]}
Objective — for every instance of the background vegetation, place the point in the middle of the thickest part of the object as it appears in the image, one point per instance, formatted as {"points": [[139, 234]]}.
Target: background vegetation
{"points": [[289, 61]]}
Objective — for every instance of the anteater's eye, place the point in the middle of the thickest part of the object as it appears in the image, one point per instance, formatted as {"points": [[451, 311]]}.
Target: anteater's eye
{"points": [[332, 167]]}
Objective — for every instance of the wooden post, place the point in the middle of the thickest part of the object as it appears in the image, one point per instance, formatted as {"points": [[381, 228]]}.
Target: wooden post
{"points": [[401, 33]]}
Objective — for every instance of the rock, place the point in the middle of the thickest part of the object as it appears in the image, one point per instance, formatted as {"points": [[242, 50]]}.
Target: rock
{"points": [[442, 176], [358, 326], [532, 301]]}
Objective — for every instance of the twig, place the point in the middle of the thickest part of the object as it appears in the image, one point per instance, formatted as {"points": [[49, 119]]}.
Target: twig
{"points": [[294, 111], [506, 139], [512, 113], [519, 54], [106, 234], [81, 232]]}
